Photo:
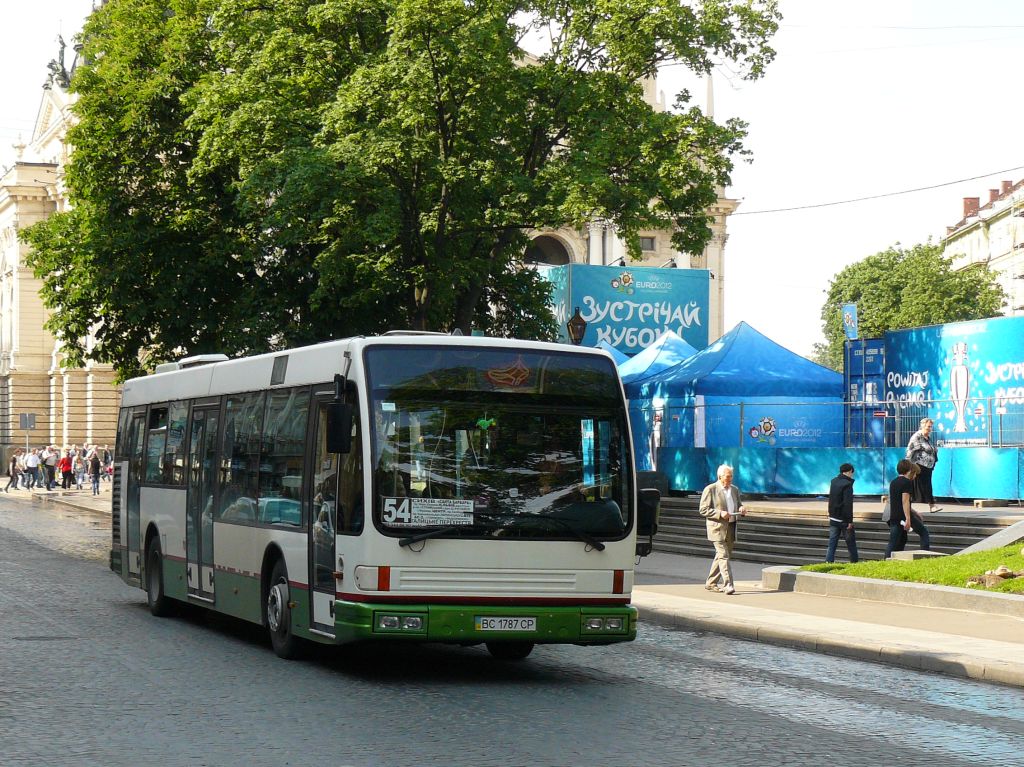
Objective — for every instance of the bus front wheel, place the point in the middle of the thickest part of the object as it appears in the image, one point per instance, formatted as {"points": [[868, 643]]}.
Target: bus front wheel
{"points": [[509, 650], [159, 602], [279, 614]]}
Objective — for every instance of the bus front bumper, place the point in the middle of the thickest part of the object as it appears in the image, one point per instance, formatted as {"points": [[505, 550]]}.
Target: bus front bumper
{"points": [[471, 624]]}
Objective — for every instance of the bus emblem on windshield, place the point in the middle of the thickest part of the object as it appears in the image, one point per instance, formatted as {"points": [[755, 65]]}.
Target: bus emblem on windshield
{"points": [[513, 375]]}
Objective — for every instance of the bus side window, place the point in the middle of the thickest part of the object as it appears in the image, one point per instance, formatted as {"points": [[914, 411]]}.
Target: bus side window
{"points": [[243, 427], [351, 507], [156, 439], [282, 453]]}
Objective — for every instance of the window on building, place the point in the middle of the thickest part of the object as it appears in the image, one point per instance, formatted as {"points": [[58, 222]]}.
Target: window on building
{"points": [[648, 244]]}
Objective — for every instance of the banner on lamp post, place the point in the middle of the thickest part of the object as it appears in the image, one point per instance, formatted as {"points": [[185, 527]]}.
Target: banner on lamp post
{"points": [[850, 321]]}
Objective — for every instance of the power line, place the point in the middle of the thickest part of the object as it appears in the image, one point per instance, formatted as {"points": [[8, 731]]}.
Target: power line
{"points": [[875, 196], [887, 26]]}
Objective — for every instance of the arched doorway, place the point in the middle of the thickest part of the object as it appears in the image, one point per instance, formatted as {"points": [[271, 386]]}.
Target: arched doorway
{"points": [[547, 250]]}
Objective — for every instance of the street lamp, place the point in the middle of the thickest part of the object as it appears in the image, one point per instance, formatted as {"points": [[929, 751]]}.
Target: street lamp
{"points": [[576, 326]]}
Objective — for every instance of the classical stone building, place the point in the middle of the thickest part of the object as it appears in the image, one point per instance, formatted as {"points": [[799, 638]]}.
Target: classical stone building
{"points": [[598, 242], [71, 405], [993, 234]]}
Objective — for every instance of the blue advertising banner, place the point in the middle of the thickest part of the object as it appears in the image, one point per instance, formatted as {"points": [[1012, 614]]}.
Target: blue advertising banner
{"points": [[958, 367], [850, 321], [629, 307], [558, 276]]}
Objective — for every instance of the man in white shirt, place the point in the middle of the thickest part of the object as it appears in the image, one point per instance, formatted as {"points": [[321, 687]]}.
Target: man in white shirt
{"points": [[32, 468]]}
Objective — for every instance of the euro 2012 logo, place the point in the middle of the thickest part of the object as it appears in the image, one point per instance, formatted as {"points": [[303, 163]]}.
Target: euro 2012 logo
{"points": [[764, 431], [624, 283]]}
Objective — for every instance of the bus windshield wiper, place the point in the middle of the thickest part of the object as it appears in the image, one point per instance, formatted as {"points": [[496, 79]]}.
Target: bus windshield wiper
{"points": [[437, 531]]}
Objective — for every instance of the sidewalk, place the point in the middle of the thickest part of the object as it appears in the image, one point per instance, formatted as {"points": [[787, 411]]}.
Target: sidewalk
{"points": [[669, 590], [973, 643], [79, 499]]}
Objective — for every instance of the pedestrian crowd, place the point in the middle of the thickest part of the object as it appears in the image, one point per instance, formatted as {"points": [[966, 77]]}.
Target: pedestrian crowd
{"points": [[45, 467]]}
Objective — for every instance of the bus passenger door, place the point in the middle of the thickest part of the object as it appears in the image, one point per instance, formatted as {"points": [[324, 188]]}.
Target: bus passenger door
{"points": [[322, 530], [199, 513], [136, 432]]}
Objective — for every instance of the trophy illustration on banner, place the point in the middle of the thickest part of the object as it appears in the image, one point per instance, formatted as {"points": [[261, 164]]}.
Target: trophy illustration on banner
{"points": [[959, 384]]}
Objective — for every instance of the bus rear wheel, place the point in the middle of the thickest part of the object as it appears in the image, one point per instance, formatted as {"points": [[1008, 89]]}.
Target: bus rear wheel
{"points": [[509, 650], [278, 614], [159, 602]]}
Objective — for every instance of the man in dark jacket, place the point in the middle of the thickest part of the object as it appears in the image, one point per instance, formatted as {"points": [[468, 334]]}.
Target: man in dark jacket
{"points": [[840, 514]]}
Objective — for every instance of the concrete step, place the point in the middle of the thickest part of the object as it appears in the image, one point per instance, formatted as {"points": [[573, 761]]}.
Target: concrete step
{"points": [[804, 536], [810, 551], [792, 535], [750, 525], [938, 522], [783, 544], [774, 555]]}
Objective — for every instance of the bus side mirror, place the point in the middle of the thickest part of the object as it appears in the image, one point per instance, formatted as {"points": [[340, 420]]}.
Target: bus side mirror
{"points": [[339, 427], [647, 513]]}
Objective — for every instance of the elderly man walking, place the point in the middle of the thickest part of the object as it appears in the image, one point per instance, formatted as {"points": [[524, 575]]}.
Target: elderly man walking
{"points": [[721, 505]]}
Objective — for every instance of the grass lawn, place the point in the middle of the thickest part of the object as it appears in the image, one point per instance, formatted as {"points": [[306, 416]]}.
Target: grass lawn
{"points": [[942, 571]]}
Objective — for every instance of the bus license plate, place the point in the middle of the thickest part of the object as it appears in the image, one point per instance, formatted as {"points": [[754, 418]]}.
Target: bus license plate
{"points": [[499, 623]]}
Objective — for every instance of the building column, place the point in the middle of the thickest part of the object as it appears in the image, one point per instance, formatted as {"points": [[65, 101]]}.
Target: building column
{"points": [[595, 242], [103, 398], [617, 247], [55, 421], [73, 425]]}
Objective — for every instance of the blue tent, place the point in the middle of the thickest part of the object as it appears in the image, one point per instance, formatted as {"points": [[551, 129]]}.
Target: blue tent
{"points": [[617, 356], [667, 352], [744, 363], [744, 390]]}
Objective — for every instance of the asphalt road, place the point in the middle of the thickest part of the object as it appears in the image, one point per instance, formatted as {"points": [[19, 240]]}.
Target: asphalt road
{"points": [[88, 677]]}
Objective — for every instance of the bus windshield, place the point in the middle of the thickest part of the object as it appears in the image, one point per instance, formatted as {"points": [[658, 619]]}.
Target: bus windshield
{"points": [[498, 442]]}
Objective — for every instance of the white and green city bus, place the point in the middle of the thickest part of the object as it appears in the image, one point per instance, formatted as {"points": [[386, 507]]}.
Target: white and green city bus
{"points": [[410, 486]]}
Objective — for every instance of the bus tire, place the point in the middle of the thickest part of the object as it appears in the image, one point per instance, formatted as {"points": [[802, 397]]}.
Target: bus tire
{"points": [[509, 650], [160, 604], [278, 614]]}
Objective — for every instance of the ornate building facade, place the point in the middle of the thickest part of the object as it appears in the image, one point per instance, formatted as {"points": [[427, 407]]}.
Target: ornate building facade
{"points": [[70, 405], [598, 242], [993, 234]]}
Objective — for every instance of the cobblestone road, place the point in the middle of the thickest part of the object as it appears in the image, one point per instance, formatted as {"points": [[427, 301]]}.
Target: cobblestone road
{"points": [[88, 677]]}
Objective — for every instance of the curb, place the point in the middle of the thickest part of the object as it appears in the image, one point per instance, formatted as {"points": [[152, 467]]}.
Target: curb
{"points": [[844, 644], [787, 578], [71, 502]]}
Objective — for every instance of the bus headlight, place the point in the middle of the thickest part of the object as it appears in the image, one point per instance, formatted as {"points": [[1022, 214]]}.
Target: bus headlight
{"points": [[595, 624], [613, 624], [387, 621], [412, 623]]}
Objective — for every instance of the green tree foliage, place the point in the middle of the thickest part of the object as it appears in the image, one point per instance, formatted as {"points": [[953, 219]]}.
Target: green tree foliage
{"points": [[904, 288], [251, 175]]}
